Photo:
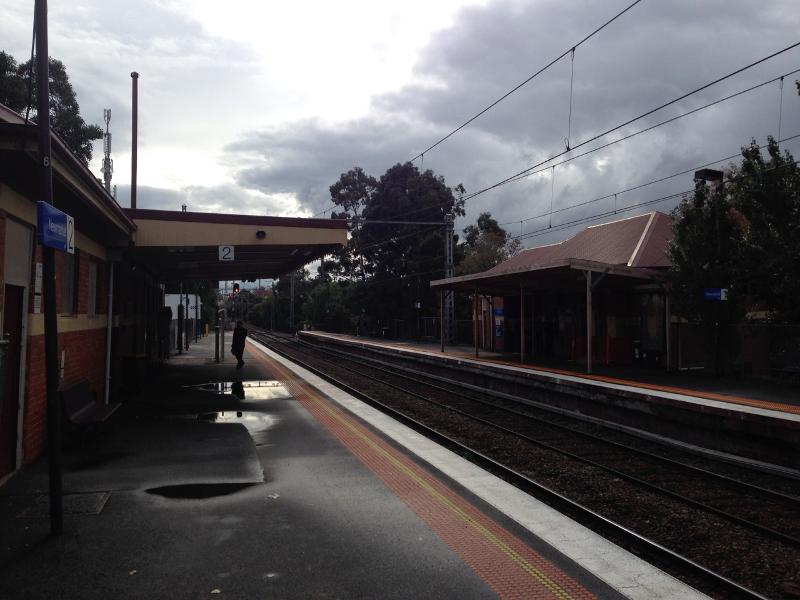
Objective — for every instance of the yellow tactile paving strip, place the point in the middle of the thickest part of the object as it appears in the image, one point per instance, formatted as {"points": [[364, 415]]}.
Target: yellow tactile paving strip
{"points": [[776, 406], [506, 564]]}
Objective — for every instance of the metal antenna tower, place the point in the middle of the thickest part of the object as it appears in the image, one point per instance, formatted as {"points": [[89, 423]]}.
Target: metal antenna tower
{"points": [[108, 164]]}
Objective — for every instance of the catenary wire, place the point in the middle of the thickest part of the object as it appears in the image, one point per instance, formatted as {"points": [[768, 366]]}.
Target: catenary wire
{"points": [[639, 186], [528, 80], [567, 224], [657, 125], [570, 50], [633, 120], [629, 136]]}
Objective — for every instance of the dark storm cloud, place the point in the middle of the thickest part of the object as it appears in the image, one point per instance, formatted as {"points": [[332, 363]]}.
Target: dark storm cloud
{"points": [[656, 52]]}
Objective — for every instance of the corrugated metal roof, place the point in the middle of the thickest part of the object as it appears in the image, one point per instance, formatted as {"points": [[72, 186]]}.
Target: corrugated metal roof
{"points": [[639, 241]]}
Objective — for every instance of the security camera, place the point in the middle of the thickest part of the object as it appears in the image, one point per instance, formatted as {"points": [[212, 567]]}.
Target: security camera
{"points": [[261, 234]]}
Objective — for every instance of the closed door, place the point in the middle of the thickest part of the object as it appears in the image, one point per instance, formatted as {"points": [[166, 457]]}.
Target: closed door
{"points": [[9, 395]]}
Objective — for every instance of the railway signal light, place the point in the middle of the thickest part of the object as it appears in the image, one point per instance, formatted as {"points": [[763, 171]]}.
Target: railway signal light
{"points": [[235, 288]]}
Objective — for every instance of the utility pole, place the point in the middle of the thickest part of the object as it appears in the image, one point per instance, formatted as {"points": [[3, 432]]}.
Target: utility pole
{"points": [[134, 133], [291, 306], [449, 305], [48, 260]]}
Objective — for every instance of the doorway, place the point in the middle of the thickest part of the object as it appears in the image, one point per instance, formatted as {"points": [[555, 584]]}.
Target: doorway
{"points": [[9, 395]]}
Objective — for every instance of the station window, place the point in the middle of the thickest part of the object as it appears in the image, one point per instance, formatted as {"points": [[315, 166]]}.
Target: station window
{"points": [[69, 279], [92, 291]]}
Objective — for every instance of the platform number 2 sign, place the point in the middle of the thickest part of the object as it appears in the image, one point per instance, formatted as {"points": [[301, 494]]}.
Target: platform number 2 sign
{"points": [[226, 252]]}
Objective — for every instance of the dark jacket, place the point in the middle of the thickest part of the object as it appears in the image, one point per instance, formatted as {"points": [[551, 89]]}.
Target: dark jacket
{"points": [[239, 335]]}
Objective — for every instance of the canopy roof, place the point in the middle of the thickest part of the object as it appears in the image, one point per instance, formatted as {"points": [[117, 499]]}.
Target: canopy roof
{"points": [[631, 250], [186, 245]]}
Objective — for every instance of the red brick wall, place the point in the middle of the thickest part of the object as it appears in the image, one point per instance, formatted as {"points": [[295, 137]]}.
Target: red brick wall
{"points": [[84, 357]]}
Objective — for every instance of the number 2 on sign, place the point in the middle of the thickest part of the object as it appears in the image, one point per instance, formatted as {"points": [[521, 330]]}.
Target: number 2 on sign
{"points": [[226, 252], [70, 235]]}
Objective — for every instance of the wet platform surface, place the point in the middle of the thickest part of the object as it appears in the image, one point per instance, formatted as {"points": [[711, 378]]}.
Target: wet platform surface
{"points": [[250, 484]]}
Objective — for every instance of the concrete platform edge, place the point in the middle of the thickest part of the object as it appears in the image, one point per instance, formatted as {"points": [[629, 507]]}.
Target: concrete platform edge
{"points": [[617, 567]]}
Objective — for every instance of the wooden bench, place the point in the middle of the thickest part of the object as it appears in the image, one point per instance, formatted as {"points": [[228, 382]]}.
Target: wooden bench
{"points": [[81, 407]]}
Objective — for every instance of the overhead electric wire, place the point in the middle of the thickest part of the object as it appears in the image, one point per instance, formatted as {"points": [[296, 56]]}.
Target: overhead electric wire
{"points": [[657, 125], [528, 80], [632, 135], [570, 50], [633, 120], [567, 224], [639, 186]]}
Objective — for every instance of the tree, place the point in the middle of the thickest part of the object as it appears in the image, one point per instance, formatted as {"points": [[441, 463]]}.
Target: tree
{"points": [[13, 92], [765, 195], [64, 110], [353, 191], [402, 259], [486, 244]]}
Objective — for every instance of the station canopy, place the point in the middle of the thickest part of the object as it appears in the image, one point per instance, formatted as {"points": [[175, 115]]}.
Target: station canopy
{"points": [[185, 246], [626, 252]]}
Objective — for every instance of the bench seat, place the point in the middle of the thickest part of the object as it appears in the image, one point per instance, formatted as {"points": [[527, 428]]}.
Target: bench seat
{"points": [[81, 407]]}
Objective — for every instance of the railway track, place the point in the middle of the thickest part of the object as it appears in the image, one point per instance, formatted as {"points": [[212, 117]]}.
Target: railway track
{"points": [[701, 522]]}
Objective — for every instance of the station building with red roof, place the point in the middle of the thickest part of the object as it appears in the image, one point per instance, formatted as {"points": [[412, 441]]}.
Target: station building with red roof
{"points": [[602, 289]]}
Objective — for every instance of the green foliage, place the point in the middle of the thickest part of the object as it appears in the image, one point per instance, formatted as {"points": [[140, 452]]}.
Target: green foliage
{"points": [[64, 110], [703, 250], [765, 192], [13, 92], [486, 245], [392, 263], [742, 237]]}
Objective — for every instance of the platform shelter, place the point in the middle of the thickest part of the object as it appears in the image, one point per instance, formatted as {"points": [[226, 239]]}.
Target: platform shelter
{"points": [[598, 296], [110, 286]]}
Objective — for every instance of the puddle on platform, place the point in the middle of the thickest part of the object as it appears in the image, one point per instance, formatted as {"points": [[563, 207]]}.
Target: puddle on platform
{"points": [[254, 421], [199, 491], [244, 390]]}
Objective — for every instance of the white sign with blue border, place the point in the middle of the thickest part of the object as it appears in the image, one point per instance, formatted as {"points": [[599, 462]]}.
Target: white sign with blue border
{"points": [[55, 228]]}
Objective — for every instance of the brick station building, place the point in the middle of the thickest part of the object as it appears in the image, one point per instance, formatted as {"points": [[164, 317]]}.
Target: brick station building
{"points": [[123, 257], [82, 284]]}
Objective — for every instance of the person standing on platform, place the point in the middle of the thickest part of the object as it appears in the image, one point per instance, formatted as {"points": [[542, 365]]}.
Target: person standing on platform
{"points": [[237, 345]]}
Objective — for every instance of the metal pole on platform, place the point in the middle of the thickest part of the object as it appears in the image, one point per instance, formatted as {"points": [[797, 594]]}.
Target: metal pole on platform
{"points": [[179, 328], [667, 333], [49, 272], [216, 341], [521, 324], [441, 317], [475, 320], [588, 275]]}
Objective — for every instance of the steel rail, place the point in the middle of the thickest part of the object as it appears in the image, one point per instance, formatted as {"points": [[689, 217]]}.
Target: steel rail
{"points": [[598, 523], [415, 376], [762, 529]]}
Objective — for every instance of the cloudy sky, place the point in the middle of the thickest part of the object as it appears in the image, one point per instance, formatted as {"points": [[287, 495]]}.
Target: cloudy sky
{"points": [[257, 107]]}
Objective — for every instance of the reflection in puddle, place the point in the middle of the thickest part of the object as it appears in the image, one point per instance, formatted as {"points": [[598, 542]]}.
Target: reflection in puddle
{"points": [[254, 421], [245, 390]]}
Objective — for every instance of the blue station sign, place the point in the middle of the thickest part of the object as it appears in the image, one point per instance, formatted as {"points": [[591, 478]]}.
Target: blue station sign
{"points": [[55, 228], [715, 294]]}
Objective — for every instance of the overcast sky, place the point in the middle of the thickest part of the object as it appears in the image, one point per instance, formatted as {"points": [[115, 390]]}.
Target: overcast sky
{"points": [[258, 107]]}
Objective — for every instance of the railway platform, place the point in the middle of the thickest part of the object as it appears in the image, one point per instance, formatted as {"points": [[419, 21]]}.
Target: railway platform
{"points": [[756, 420], [268, 482]]}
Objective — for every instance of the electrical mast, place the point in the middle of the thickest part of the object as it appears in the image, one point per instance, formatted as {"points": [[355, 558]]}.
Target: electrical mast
{"points": [[108, 164]]}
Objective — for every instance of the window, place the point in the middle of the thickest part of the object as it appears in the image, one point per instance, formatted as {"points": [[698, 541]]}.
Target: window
{"points": [[92, 291], [69, 277]]}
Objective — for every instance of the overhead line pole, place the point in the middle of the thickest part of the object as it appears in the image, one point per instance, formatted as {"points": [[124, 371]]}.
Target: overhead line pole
{"points": [[49, 272]]}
